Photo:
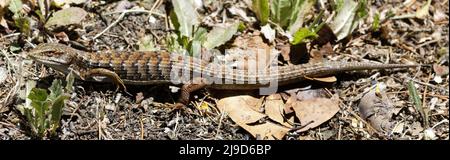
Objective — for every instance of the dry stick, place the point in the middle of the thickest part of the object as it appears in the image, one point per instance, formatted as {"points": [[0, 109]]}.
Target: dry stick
{"points": [[120, 18], [176, 124], [427, 43], [142, 128], [220, 124]]}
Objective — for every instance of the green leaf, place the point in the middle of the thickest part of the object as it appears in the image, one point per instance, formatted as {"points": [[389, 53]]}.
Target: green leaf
{"points": [[200, 34], [65, 17], [220, 35], [299, 10], [338, 5], [173, 44], [241, 27], [70, 79], [262, 10], [38, 94], [55, 89], [15, 6], [302, 35], [281, 11], [415, 98], [347, 19], [57, 109], [186, 16], [196, 48], [174, 20], [376, 22], [23, 23]]}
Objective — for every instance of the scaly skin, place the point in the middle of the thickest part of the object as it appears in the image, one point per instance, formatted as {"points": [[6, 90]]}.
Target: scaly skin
{"points": [[148, 68]]}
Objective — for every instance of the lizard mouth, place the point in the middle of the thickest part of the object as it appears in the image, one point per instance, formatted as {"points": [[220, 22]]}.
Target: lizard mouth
{"points": [[55, 65]]}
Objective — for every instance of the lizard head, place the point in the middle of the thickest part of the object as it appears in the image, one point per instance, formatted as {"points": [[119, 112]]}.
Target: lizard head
{"points": [[54, 55]]}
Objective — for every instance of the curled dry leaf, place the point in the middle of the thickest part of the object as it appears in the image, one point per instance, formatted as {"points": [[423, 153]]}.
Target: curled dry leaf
{"points": [[239, 110], [274, 109], [314, 112], [377, 110], [331, 79]]}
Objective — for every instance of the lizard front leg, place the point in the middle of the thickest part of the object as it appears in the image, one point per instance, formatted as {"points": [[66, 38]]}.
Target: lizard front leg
{"points": [[105, 72]]}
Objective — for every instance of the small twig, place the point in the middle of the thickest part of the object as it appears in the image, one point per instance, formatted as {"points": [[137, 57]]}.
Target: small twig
{"points": [[10, 35], [135, 11], [220, 124], [142, 128], [427, 43], [176, 125], [405, 16]]}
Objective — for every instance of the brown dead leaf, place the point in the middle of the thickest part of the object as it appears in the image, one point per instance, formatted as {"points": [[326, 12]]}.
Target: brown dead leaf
{"points": [[314, 112], [331, 79], [316, 56], [285, 49], [274, 109], [239, 110], [289, 106]]}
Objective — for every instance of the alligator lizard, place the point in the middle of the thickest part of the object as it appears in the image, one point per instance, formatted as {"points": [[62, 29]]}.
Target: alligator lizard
{"points": [[149, 68]]}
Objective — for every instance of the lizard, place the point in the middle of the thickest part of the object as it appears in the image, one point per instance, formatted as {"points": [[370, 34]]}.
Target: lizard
{"points": [[153, 68]]}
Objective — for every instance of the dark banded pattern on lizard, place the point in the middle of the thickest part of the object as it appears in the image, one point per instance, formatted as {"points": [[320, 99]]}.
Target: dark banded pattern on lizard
{"points": [[148, 68]]}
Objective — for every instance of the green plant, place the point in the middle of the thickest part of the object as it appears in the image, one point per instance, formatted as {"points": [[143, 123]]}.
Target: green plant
{"points": [[21, 21], [190, 35], [45, 110]]}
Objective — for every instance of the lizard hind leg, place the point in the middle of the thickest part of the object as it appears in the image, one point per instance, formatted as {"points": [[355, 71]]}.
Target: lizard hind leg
{"points": [[186, 90]]}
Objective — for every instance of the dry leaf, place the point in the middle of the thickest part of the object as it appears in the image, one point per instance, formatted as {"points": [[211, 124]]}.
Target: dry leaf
{"points": [[314, 112], [331, 79], [274, 109], [285, 49], [289, 106], [69, 16], [378, 111], [239, 110], [311, 94]]}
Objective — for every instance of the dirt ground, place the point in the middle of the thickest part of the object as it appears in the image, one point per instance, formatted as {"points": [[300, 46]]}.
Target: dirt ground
{"points": [[96, 111]]}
